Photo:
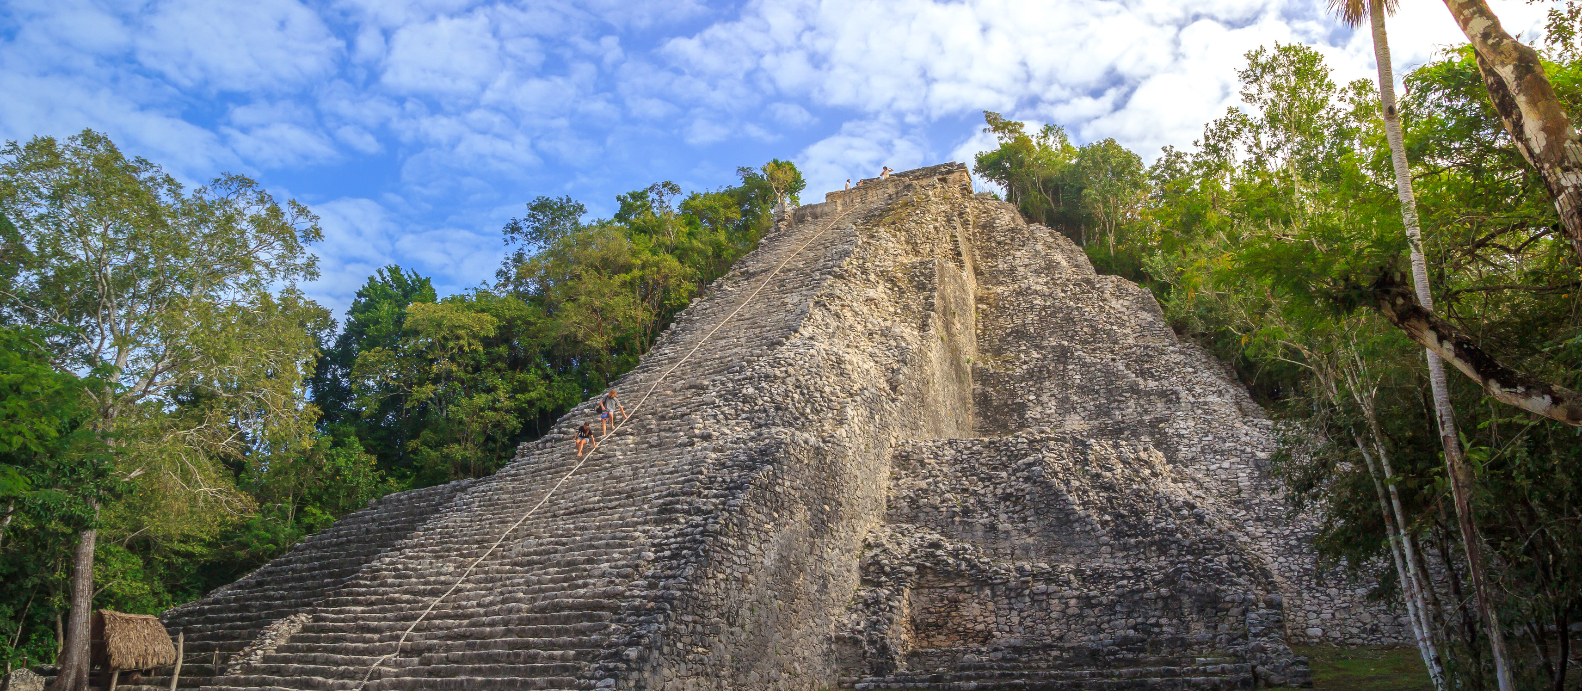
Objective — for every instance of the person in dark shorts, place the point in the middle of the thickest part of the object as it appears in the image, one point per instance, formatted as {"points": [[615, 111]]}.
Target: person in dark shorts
{"points": [[585, 435], [607, 407]]}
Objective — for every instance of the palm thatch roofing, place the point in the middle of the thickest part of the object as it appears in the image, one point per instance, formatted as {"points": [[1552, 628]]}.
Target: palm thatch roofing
{"points": [[130, 641]]}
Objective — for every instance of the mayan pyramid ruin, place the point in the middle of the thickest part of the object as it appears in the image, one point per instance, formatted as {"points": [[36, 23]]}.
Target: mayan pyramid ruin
{"points": [[935, 450]]}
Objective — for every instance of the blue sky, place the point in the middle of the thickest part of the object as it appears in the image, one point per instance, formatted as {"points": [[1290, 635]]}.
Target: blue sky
{"points": [[416, 129]]}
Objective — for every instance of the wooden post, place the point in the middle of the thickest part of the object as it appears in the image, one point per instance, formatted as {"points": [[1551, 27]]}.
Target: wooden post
{"points": [[181, 645], [115, 675]]}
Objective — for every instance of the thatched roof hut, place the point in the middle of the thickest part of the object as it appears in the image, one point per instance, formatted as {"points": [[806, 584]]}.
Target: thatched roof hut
{"points": [[130, 641]]}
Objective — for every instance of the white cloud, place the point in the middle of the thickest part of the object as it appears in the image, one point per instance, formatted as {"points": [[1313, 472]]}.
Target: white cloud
{"points": [[968, 150], [450, 56], [189, 151], [369, 46], [241, 46], [358, 239], [859, 151], [62, 35], [644, 14], [790, 114], [705, 131], [280, 144], [1147, 72], [358, 138], [460, 258]]}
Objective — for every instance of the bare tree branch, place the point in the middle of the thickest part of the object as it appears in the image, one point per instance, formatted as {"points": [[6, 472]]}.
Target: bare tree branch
{"points": [[1394, 299]]}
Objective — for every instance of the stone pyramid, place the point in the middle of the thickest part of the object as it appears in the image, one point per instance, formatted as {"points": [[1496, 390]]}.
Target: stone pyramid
{"points": [[925, 447]]}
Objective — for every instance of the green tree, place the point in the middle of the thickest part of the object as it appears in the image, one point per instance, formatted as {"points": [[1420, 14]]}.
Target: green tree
{"points": [[381, 421], [1113, 187], [786, 181], [1038, 172], [298, 494], [1460, 473], [183, 303], [52, 474], [466, 367], [1269, 242], [547, 220], [1295, 126], [1284, 280], [1533, 113], [439, 389]]}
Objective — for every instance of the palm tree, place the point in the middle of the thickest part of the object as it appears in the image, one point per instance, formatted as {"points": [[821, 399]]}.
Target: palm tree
{"points": [[1461, 475]]}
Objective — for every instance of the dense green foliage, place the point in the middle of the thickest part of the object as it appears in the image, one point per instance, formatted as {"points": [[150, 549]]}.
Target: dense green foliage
{"points": [[1261, 244], [52, 468], [163, 381], [441, 389]]}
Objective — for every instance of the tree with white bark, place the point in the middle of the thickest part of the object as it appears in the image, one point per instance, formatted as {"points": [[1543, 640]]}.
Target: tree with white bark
{"points": [[1459, 472]]}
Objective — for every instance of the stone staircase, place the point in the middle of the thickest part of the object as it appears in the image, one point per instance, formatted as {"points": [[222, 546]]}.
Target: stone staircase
{"points": [[229, 618], [591, 590], [1037, 670]]}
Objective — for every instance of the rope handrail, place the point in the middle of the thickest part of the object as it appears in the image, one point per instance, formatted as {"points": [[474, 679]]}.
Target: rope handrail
{"points": [[599, 444]]}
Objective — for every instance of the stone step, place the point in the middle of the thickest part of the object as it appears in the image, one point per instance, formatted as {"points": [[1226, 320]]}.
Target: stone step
{"points": [[989, 676], [397, 683], [399, 596], [450, 630]]}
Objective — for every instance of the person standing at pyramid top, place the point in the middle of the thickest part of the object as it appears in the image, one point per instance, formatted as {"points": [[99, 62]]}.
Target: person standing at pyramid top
{"points": [[607, 407], [885, 174], [848, 184]]}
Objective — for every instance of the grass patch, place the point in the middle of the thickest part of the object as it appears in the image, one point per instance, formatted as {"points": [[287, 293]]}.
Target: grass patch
{"points": [[1366, 668]]}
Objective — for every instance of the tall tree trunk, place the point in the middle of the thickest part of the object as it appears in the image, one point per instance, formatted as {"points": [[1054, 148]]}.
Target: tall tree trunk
{"points": [[74, 656], [1413, 584], [1419, 582], [1563, 625], [1469, 625], [1461, 476], [1526, 102], [1418, 575], [10, 510], [1421, 631]]}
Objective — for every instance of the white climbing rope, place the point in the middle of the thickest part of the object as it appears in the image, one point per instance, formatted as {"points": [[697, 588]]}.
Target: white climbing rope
{"points": [[706, 338]]}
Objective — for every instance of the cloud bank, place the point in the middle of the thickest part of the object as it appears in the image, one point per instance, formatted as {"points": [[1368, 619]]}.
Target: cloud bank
{"points": [[415, 129]]}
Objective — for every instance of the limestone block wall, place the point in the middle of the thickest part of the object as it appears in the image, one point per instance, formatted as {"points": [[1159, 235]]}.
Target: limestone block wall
{"points": [[1054, 552], [1119, 372]]}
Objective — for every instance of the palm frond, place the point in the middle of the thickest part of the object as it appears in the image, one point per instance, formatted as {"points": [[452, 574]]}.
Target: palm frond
{"points": [[1355, 12]]}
